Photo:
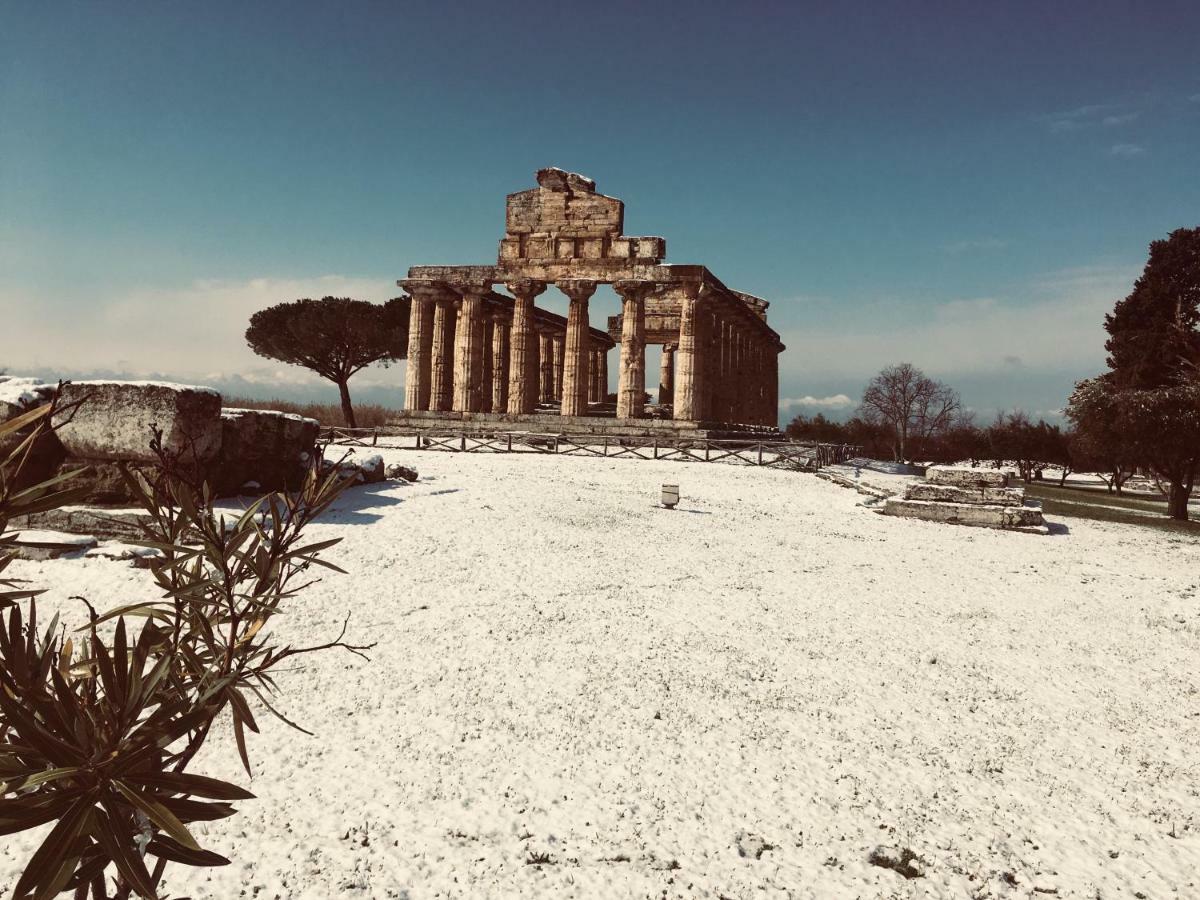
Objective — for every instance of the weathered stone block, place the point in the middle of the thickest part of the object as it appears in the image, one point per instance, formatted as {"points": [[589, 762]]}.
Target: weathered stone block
{"points": [[114, 419], [953, 494], [980, 515], [650, 247], [269, 448], [964, 476], [591, 248], [620, 249], [510, 248], [539, 246]]}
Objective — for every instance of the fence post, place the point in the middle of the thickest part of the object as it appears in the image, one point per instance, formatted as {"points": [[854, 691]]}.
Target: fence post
{"points": [[760, 449], [510, 442], [656, 448]]}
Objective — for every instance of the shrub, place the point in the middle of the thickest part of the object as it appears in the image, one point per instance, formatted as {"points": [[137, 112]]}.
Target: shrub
{"points": [[96, 735]]}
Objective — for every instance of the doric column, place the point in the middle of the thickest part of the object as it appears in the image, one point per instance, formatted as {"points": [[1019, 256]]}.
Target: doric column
{"points": [[631, 385], [557, 347], [666, 375], [603, 375], [417, 385], [500, 364], [546, 364], [691, 355], [575, 351], [442, 352], [487, 372], [596, 393], [723, 363], [468, 350], [522, 369]]}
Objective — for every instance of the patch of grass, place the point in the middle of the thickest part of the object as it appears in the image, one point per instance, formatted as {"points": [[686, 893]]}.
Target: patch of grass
{"points": [[1101, 506], [368, 415]]}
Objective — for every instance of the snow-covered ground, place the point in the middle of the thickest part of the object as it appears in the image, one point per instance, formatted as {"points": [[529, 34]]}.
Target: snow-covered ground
{"points": [[740, 698]]}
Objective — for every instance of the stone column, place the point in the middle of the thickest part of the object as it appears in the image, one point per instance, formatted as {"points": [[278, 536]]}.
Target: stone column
{"points": [[500, 364], [666, 375], [522, 369], [691, 355], [442, 352], [723, 362], [417, 385], [468, 350], [557, 346], [596, 394], [575, 351], [631, 386], [603, 375], [487, 373], [546, 382]]}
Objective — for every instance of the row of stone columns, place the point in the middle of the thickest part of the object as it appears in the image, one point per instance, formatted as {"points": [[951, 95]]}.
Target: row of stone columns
{"points": [[463, 358], [723, 368]]}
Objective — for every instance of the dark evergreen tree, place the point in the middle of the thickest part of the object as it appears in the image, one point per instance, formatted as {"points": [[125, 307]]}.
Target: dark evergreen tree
{"points": [[334, 337]]}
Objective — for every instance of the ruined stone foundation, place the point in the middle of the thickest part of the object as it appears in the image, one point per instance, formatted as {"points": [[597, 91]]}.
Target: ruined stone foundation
{"points": [[966, 496]]}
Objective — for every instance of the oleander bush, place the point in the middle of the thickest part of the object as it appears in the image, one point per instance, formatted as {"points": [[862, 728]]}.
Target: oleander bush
{"points": [[99, 727]]}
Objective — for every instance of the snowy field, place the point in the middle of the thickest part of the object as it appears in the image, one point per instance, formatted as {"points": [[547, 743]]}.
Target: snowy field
{"points": [[740, 699]]}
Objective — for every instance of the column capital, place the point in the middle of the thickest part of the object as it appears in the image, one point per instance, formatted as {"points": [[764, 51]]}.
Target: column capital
{"points": [[578, 289], [426, 291], [634, 290], [525, 287], [472, 287], [669, 347]]}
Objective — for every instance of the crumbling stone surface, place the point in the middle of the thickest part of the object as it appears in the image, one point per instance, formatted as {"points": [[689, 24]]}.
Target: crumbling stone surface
{"points": [[103, 479], [967, 477], [270, 449], [952, 494], [106, 524], [114, 421], [985, 515]]}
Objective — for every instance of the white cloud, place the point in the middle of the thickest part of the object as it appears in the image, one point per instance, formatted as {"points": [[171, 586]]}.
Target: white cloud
{"points": [[1127, 150], [1119, 119], [1055, 325], [194, 332], [837, 401]]}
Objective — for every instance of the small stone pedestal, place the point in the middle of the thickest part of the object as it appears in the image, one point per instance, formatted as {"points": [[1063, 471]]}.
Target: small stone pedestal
{"points": [[965, 496]]}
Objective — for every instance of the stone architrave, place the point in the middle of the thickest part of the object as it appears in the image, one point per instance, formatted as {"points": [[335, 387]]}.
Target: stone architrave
{"points": [[575, 351], [468, 355], [441, 378], [631, 385], [114, 420], [546, 380], [500, 364], [666, 375], [523, 375]]}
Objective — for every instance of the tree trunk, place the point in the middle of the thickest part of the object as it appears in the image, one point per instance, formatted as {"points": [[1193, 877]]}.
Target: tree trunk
{"points": [[347, 409], [1177, 500]]}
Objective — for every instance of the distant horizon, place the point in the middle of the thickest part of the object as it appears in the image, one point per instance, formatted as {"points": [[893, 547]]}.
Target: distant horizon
{"points": [[966, 190]]}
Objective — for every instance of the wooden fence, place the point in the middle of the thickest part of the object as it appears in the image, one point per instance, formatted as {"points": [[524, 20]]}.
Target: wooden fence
{"points": [[743, 451]]}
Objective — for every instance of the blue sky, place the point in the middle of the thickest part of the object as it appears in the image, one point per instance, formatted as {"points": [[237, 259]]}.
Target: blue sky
{"points": [[967, 188]]}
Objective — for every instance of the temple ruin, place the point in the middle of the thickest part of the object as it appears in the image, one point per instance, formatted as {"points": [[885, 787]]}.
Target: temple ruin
{"points": [[477, 356]]}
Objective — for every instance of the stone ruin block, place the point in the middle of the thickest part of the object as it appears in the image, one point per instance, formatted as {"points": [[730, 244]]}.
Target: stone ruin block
{"points": [[978, 514], [967, 477], [114, 419], [651, 248], [964, 496], [590, 248], [948, 493], [510, 248], [539, 246], [621, 248], [268, 449]]}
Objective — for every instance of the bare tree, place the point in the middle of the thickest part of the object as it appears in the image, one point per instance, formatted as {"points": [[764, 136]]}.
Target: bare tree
{"points": [[913, 406]]}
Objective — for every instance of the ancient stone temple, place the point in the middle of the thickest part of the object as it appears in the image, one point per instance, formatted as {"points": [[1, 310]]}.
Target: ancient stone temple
{"points": [[480, 356]]}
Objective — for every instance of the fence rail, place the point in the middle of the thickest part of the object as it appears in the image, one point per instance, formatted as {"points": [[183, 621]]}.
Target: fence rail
{"points": [[736, 451]]}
